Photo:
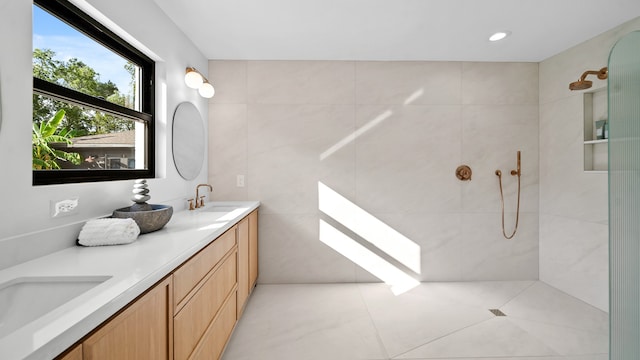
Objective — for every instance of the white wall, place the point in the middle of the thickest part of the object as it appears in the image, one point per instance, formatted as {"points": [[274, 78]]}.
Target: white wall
{"points": [[573, 203], [388, 137], [25, 208]]}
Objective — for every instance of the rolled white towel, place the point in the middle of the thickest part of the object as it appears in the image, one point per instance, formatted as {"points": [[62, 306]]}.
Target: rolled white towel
{"points": [[108, 231]]}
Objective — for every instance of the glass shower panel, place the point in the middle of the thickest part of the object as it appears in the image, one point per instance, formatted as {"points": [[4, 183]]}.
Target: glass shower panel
{"points": [[624, 197]]}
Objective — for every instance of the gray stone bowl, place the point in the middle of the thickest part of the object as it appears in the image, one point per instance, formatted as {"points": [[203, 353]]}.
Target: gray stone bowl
{"points": [[148, 221]]}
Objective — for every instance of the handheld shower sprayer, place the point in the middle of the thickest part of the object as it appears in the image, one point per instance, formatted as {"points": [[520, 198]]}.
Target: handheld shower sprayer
{"points": [[517, 172]]}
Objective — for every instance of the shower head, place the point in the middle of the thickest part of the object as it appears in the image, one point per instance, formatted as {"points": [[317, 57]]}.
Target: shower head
{"points": [[580, 85], [583, 84]]}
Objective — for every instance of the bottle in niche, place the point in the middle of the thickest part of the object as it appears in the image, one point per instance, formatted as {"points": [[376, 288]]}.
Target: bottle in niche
{"points": [[600, 125]]}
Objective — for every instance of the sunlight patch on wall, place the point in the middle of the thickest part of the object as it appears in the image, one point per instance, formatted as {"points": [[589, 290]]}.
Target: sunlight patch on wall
{"points": [[365, 258], [368, 227], [349, 139], [413, 97]]}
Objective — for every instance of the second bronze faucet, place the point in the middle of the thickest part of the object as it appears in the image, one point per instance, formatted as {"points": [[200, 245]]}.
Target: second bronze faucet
{"points": [[199, 199]]}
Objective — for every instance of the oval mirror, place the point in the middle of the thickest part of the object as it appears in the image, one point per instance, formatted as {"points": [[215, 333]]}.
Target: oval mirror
{"points": [[188, 140]]}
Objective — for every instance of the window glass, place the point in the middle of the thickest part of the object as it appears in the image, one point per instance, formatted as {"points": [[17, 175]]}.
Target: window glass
{"points": [[92, 100], [65, 56], [86, 138]]}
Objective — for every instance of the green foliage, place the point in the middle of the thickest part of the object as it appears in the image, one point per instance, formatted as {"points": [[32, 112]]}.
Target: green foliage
{"points": [[45, 157], [75, 74]]}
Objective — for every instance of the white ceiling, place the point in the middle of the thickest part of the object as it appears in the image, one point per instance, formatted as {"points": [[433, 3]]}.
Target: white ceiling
{"points": [[455, 30]]}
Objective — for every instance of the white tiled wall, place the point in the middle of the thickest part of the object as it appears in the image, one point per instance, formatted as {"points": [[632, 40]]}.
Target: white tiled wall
{"points": [[388, 137], [573, 203]]}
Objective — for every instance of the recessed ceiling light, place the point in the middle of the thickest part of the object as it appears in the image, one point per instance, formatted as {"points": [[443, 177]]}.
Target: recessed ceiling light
{"points": [[499, 35]]}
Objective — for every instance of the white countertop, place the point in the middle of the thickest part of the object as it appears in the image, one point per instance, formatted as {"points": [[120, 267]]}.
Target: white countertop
{"points": [[133, 269]]}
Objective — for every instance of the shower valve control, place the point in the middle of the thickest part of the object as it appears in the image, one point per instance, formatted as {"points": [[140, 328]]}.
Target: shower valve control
{"points": [[463, 173]]}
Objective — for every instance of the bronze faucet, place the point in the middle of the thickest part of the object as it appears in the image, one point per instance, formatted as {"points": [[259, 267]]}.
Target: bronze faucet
{"points": [[200, 199]]}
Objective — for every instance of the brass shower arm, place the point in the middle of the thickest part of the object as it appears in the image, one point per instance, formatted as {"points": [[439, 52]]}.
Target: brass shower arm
{"points": [[602, 74]]}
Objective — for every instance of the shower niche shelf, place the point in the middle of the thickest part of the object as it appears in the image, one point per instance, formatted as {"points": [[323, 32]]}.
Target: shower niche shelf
{"points": [[596, 151]]}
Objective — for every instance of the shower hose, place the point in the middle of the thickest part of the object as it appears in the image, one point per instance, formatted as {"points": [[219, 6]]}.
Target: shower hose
{"points": [[499, 173]]}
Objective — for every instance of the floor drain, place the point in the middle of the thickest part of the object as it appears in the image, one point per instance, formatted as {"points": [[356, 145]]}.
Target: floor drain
{"points": [[497, 312]]}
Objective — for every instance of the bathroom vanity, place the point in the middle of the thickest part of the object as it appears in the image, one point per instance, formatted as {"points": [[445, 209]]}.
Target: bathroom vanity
{"points": [[173, 294]]}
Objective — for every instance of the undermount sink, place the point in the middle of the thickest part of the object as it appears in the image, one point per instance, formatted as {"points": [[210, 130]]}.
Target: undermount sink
{"points": [[25, 299], [224, 213]]}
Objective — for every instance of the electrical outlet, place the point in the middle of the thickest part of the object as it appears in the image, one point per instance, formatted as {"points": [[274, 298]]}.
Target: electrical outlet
{"points": [[240, 181], [64, 207]]}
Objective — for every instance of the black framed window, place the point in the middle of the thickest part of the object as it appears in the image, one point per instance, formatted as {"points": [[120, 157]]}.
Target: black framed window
{"points": [[93, 100]]}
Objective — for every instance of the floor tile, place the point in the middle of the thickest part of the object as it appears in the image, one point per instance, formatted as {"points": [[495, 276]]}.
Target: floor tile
{"points": [[305, 322], [565, 340], [434, 321], [411, 319], [484, 294], [546, 304], [496, 337]]}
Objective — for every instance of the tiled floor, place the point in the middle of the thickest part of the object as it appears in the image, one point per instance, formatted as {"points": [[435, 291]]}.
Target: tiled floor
{"points": [[432, 321]]}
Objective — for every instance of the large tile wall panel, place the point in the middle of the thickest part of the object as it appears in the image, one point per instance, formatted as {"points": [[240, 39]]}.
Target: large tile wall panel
{"points": [[499, 83], [406, 163], [229, 79], [487, 255], [417, 83], [228, 136], [290, 252], [492, 135], [301, 82], [574, 258], [285, 147], [354, 163], [439, 238]]}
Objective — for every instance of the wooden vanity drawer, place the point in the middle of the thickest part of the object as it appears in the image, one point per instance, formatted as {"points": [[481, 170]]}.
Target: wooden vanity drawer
{"points": [[195, 317], [216, 337], [187, 276]]}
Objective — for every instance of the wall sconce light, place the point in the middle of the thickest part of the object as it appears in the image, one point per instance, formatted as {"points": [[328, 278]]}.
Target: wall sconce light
{"points": [[195, 80]]}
